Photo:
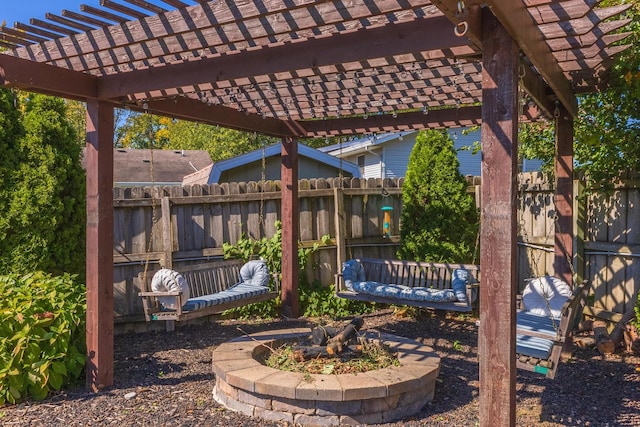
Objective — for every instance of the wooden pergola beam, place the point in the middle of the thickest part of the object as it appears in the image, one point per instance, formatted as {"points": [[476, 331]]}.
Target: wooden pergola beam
{"points": [[524, 30], [364, 44], [451, 117], [191, 109], [43, 78]]}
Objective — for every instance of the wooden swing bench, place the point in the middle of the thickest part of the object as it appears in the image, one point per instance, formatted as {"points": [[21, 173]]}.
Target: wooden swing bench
{"points": [[213, 288], [542, 340], [412, 283]]}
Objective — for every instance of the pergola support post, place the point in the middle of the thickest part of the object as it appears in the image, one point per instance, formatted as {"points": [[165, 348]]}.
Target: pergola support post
{"points": [[290, 227], [99, 263], [563, 244], [498, 239]]}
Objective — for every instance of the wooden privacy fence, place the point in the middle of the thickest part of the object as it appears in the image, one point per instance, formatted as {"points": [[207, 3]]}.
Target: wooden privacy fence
{"points": [[177, 226], [607, 240]]}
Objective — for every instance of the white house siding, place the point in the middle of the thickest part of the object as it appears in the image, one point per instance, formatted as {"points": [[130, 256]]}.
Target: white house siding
{"points": [[396, 156], [469, 163]]}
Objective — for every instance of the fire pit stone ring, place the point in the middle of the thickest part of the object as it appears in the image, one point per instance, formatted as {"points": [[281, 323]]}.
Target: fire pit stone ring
{"points": [[245, 384]]}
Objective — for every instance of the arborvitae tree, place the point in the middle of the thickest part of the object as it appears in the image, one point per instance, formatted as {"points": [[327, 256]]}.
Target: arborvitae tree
{"points": [[43, 205], [439, 220]]}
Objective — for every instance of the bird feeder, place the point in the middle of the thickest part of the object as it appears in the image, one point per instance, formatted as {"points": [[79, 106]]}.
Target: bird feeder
{"points": [[386, 223]]}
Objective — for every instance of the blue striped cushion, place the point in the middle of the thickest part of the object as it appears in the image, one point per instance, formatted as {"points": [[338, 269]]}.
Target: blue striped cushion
{"points": [[404, 292], [537, 323], [535, 346], [237, 292]]}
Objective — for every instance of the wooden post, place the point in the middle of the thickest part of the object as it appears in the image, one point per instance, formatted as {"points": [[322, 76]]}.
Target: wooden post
{"points": [[290, 227], [563, 243], [338, 197], [496, 336], [579, 226], [167, 238], [99, 166]]}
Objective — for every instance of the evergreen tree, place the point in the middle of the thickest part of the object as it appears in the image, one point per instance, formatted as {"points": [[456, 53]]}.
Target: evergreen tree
{"points": [[42, 203], [439, 220]]}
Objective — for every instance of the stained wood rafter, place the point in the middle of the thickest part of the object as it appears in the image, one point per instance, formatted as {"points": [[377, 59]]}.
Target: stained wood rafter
{"points": [[126, 42]]}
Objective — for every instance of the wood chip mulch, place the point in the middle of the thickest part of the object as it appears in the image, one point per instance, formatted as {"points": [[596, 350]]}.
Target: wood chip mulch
{"points": [[165, 379]]}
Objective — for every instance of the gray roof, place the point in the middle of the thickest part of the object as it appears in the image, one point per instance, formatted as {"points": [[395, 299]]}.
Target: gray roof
{"points": [[169, 167]]}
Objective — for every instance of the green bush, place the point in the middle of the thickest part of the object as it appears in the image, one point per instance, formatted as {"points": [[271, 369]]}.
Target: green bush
{"points": [[42, 188], [439, 220], [317, 301], [42, 334]]}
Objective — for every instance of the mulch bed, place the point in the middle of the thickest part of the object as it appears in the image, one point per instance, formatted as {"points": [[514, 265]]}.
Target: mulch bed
{"points": [[165, 379]]}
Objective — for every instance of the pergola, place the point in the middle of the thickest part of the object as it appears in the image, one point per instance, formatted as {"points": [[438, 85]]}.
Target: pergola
{"points": [[301, 68]]}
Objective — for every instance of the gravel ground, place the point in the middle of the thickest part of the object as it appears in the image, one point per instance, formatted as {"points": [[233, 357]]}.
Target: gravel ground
{"points": [[165, 379]]}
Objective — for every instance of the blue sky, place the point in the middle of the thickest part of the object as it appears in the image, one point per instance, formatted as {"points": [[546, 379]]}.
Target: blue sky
{"points": [[23, 10]]}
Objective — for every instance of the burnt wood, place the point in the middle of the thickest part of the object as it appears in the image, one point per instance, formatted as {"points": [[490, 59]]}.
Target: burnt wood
{"points": [[338, 343]]}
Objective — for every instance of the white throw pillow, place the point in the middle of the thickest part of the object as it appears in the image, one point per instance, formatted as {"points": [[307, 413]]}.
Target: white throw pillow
{"points": [[545, 295], [166, 280]]}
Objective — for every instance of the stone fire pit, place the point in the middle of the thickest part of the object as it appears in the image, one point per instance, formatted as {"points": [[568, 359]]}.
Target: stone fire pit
{"points": [[245, 384]]}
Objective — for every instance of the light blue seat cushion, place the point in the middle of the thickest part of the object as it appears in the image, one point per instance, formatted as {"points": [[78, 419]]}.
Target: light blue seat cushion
{"points": [[255, 273], [352, 271], [459, 282], [535, 346], [404, 292], [236, 292]]}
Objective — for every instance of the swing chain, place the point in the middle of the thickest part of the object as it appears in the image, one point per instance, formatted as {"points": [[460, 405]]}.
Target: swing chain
{"points": [[263, 180], [154, 215]]}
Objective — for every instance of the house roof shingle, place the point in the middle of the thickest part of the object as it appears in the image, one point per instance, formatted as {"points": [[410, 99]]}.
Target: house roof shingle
{"points": [[161, 167]]}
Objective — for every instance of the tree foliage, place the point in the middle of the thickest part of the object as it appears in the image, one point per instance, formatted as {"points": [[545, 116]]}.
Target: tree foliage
{"points": [[607, 129], [439, 220], [42, 193], [221, 143], [139, 130]]}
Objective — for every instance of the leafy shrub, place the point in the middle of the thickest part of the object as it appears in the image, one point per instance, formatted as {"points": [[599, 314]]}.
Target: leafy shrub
{"points": [[439, 220], [42, 189], [317, 300], [42, 334]]}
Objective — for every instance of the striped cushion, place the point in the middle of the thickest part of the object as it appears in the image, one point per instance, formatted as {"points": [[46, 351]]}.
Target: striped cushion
{"points": [[404, 292], [236, 292], [535, 346]]}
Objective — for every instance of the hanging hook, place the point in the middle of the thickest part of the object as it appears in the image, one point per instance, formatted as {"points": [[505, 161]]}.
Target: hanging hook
{"points": [[461, 27], [522, 71]]}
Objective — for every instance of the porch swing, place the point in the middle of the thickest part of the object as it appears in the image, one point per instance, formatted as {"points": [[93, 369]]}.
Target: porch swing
{"points": [[548, 311], [422, 284], [208, 288]]}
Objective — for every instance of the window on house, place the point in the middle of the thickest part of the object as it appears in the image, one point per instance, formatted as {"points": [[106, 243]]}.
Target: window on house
{"points": [[361, 163]]}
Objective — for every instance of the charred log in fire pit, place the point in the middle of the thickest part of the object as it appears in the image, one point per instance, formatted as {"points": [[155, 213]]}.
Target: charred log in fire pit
{"points": [[330, 342]]}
